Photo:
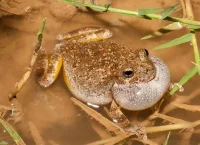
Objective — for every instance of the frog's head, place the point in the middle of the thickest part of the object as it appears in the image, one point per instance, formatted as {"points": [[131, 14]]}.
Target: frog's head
{"points": [[141, 82]]}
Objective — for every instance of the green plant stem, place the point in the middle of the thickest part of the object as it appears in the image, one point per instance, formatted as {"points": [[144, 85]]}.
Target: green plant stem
{"points": [[132, 13], [190, 15], [40, 33], [196, 51], [189, 75], [18, 140]]}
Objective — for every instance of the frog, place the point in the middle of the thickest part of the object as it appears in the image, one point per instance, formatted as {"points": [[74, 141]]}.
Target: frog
{"points": [[98, 70]]}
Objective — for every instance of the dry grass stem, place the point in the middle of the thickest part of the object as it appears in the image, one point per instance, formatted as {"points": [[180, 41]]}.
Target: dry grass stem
{"points": [[4, 110], [179, 124], [35, 134], [110, 126], [100, 130], [112, 140], [193, 108], [16, 112], [25, 77], [169, 118], [148, 142], [186, 135], [172, 127], [183, 8], [51, 142], [189, 11], [180, 99]]}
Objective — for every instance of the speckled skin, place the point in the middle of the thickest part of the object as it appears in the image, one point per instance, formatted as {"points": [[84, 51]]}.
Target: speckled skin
{"points": [[139, 96], [94, 69]]}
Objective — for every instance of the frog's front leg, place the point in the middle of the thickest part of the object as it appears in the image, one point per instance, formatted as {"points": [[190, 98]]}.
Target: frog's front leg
{"points": [[48, 67], [119, 118]]}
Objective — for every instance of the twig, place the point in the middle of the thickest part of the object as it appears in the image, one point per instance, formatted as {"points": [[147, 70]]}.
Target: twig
{"points": [[51, 142], [172, 127], [190, 15], [122, 137], [112, 140], [4, 110], [132, 13], [98, 117], [170, 119], [16, 109], [149, 142], [181, 99], [192, 108], [35, 134], [25, 77], [186, 136]]}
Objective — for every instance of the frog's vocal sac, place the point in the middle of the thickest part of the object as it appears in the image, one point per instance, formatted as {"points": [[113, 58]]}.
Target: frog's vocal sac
{"points": [[97, 70]]}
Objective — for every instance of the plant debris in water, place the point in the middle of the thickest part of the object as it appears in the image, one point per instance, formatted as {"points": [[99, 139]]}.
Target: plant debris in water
{"points": [[169, 11], [3, 143], [183, 39], [149, 11], [120, 136]]}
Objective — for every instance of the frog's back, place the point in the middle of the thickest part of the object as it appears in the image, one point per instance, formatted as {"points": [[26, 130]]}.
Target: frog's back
{"points": [[91, 67]]}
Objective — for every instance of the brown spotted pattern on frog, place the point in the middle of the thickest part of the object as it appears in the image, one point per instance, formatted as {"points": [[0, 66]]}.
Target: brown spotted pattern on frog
{"points": [[98, 70]]}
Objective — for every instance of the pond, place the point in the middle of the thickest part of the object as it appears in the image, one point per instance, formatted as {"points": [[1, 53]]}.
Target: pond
{"points": [[51, 109]]}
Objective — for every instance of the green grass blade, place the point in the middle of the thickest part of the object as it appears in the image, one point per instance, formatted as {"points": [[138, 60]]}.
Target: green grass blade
{"points": [[164, 30], [167, 139], [148, 11], [189, 75], [10, 130], [177, 41], [168, 11], [193, 27], [40, 33], [3, 143], [131, 13], [196, 51]]}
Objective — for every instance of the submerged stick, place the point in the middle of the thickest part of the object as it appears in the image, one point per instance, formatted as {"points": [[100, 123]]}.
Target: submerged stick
{"points": [[16, 108], [190, 15], [181, 99], [35, 134], [193, 108], [25, 77], [98, 117], [148, 142]]}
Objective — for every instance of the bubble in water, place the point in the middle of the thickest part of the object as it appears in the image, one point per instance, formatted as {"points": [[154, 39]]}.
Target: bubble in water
{"points": [[114, 120], [93, 105]]}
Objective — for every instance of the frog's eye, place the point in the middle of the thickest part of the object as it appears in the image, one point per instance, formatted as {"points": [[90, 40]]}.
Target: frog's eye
{"points": [[128, 72], [147, 52]]}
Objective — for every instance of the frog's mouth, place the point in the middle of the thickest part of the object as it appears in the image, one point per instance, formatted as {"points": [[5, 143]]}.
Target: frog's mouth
{"points": [[142, 95]]}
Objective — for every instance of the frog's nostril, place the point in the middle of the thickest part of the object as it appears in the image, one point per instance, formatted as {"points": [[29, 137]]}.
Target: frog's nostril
{"points": [[128, 73]]}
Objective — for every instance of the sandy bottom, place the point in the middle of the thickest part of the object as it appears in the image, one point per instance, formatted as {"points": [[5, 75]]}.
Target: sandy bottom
{"points": [[51, 109]]}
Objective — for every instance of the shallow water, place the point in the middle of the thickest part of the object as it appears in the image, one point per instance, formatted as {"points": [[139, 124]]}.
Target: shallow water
{"points": [[51, 109]]}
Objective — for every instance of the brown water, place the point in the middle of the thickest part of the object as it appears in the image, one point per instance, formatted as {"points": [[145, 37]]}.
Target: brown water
{"points": [[51, 109]]}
